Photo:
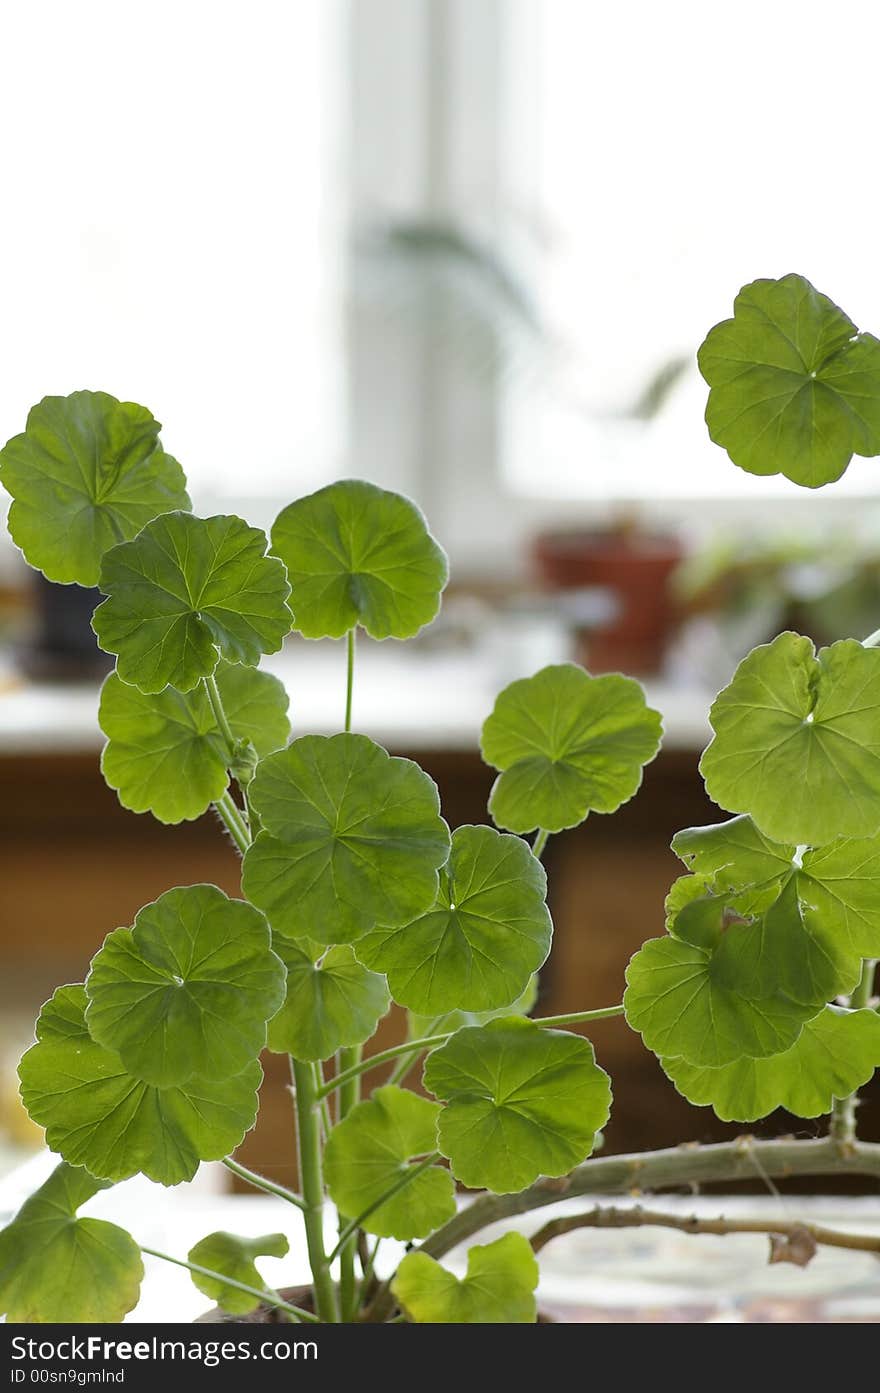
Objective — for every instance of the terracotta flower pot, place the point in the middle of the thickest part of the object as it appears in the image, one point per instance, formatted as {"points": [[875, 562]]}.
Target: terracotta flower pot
{"points": [[636, 568]]}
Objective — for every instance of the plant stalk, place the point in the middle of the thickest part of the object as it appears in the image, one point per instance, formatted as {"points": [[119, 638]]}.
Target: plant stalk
{"points": [[633, 1174], [348, 1059], [260, 1182], [431, 1041], [348, 1097], [843, 1112], [326, 1118], [268, 1298], [669, 1169], [402, 1068], [541, 838], [220, 717], [349, 681], [637, 1217], [308, 1133], [368, 1267], [351, 1228], [601, 1013], [230, 816]]}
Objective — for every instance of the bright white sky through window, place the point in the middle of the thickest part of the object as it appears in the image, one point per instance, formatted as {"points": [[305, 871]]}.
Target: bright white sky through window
{"points": [[168, 231], [674, 152]]}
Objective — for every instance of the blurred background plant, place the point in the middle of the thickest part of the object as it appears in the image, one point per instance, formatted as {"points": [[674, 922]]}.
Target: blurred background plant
{"points": [[752, 587]]}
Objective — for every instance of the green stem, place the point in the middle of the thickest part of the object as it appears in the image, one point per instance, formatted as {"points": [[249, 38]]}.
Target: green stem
{"points": [[326, 1119], [541, 838], [231, 817], [349, 682], [260, 1182], [383, 1057], [266, 1297], [843, 1112], [350, 1061], [402, 1068], [223, 725], [348, 1097], [249, 821], [347, 1060], [602, 1013], [369, 1267], [350, 1088], [674, 1168], [429, 1042], [351, 1228], [308, 1132]]}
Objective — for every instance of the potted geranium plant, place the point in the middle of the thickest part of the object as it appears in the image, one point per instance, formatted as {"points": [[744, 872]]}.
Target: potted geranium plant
{"points": [[355, 891]]}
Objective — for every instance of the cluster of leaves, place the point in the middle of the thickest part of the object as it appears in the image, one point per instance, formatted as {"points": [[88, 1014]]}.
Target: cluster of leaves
{"points": [[781, 906], [764, 934], [356, 893]]}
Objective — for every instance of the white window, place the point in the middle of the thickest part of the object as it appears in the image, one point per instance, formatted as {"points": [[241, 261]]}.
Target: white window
{"points": [[170, 231], [180, 180], [667, 154]]}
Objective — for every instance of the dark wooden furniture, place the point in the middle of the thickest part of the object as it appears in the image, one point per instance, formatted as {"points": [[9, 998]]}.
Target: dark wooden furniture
{"points": [[76, 865]]}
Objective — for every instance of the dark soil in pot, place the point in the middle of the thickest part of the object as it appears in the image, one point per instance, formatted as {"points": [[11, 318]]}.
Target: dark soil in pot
{"points": [[269, 1315], [263, 1315]]}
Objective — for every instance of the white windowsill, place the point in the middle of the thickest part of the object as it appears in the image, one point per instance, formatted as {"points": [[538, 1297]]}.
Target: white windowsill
{"points": [[406, 699], [615, 1274]]}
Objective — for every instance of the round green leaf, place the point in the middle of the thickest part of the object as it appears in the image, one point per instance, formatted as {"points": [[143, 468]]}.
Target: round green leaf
{"points": [[722, 988], [834, 1055], [797, 741], [795, 388], [164, 752], [234, 1257], [184, 593], [523, 1102], [87, 472], [98, 1115], [352, 838], [188, 990], [477, 947], [677, 1007], [357, 554], [567, 744], [372, 1149], [498, 1289], [331, 1003], [57, 1268]]}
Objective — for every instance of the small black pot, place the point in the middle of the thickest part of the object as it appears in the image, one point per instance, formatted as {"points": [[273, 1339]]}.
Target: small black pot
{"points": [[63, 647]]}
